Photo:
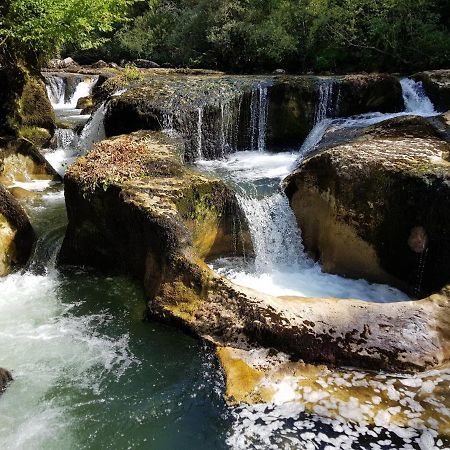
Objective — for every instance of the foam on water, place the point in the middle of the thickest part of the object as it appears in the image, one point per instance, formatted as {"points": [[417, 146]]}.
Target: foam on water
{"points": [[281, 267], [48, 349]]}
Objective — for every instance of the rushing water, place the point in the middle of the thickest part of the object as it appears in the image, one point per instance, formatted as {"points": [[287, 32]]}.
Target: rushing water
{"points": [[91, 373], [416, 103]]}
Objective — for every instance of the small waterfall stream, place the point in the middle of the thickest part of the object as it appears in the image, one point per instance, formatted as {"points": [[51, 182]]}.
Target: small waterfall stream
{"points": [[414, 97]]}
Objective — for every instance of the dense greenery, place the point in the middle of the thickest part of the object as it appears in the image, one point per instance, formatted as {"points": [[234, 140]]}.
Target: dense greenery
{"points": [[241, 35], [299, 35], [42, 27]]}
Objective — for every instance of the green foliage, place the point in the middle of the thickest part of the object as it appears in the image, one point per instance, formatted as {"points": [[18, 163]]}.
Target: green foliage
{"points": [[298, 35], [131, 73], [44, 26]]}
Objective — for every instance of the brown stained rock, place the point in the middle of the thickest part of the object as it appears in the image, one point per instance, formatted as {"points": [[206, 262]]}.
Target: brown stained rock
{"points": [[377, 207], [16, 234], [134, 208]]}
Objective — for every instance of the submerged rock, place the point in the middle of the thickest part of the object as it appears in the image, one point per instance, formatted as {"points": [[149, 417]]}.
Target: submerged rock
{"points": [[134, 207], [377, 207], [16, 234], [5, 378]]}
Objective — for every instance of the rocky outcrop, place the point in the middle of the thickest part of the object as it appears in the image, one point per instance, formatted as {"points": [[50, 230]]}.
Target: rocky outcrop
{"points": [[21, 161], [16, 234], [134, 207], [437, 87], [5, 378], [24, 106], [376, 207], [217, 114]]}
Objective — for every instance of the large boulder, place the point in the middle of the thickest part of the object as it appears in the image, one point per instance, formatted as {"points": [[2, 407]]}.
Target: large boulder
{"points": [[134, 207], [16, 234], [145, 64], [377, 207], [217, 114], [437, 86], [25, 109]]}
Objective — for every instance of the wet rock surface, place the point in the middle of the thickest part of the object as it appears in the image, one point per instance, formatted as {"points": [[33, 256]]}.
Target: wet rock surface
{"points": [[376, 207], [134, 207], [16, 234], [437, 86], [5, 378], [229, 109]]}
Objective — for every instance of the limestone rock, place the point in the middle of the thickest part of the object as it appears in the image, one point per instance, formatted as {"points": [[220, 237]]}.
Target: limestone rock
{"points": [[16, 234], [377, 207], [134, 207]]}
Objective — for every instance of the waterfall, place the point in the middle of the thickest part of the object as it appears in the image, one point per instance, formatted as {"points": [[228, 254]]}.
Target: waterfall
{"points": [[324, 107], [94, 130], [56, 87], [416, 101], [83, 89], [275, 235], [259, 108], [199, 133], [56, 90]]}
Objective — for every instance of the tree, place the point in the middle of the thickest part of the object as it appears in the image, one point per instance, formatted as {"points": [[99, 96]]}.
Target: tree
{"points": [[44, 26]]}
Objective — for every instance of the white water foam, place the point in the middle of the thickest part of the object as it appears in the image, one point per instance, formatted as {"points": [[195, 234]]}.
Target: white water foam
{"points": [[48, 349], [281, 266], [56, 92]]}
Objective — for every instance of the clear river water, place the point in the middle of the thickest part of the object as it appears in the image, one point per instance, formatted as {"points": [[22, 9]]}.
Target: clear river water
{"points": [[91, 373]]}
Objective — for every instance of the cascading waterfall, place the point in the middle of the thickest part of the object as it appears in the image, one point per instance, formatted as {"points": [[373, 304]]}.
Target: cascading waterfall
{"points": [[325, 109], [259, 107], [94, 130], [199, 133], [416, 103], [275, 235], [56, 88]]}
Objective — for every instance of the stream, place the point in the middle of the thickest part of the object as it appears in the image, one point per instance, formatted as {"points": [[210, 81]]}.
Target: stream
{"points": [[90, 372]]}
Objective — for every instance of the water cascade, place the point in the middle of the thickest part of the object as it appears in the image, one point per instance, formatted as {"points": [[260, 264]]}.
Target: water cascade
{"points": [[56, 90], [84, 361], [259, 107], [280, 266], [416, 103]]}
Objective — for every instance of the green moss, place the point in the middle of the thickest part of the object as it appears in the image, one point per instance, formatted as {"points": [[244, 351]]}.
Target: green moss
{"points": [[38, 136], [34, 107]]}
